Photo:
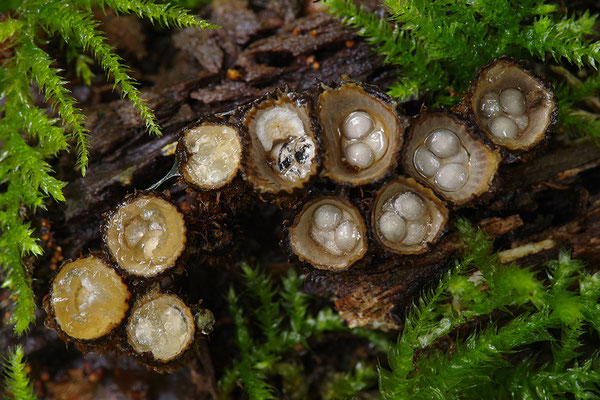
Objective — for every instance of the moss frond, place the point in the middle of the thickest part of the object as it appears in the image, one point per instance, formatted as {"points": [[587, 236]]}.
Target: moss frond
{"points": [[17, 279], [578, 105], [350, 384], [245, 369], [439, 45], [82, 63], [585, 123], [56, 93], [17, 382], [527, 380], [476, 356], [9, 27], [423, 366], [190, 4], [267, 312], [80, 26], [164, 14], [282, 315], [562, 38], [26, 174], [565, 351], [296, 307], [395, 44]]}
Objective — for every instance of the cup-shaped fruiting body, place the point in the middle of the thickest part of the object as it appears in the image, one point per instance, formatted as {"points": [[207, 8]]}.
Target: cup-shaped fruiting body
{"points": [[282, 154], [511, 105], [329, 233], [209, 153], [161, 326], [362, 133], [406, 217], [145, 235], [87, 300], [442, 152], [205, 321]]}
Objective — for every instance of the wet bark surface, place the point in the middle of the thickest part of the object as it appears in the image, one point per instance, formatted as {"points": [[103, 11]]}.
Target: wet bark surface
{"points": [[549, 202]]}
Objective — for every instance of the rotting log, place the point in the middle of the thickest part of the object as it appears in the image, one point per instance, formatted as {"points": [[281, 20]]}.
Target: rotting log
{"points": [[544, 200], [124, 157]]}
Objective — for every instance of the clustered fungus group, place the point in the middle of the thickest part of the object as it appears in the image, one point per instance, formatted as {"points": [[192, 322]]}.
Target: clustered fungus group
{"points": [[108, 300], [359, 177]]}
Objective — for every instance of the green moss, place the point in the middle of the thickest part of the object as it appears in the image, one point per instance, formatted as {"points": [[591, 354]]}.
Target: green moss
{"points": [[482, 365], [285, 322], [17, 384]]}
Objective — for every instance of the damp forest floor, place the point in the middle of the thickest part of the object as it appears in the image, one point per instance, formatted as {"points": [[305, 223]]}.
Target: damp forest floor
{"points": [[188, 74]]}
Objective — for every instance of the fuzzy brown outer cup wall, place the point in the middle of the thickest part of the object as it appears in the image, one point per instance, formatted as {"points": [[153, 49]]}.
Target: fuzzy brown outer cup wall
{"points": [[145, 235], [88, 299], [437, 212], [260, 169], [307, 250], [482, 161], [209, 154], [334, 105], [540, 103]]}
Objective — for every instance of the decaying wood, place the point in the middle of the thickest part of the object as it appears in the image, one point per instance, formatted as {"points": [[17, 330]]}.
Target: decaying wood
{"points": [[124, 156], [214, 72]]}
